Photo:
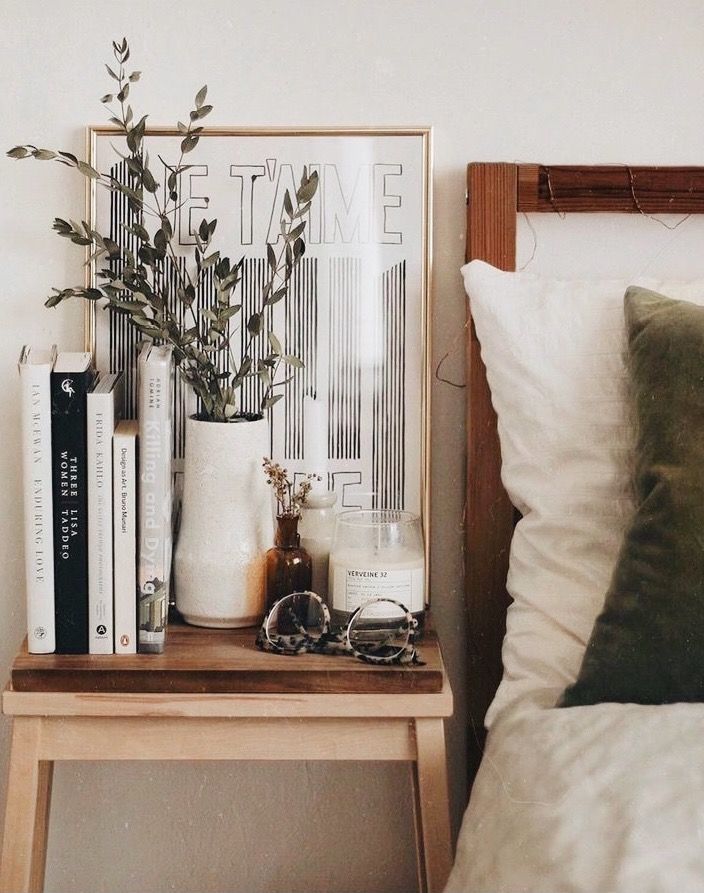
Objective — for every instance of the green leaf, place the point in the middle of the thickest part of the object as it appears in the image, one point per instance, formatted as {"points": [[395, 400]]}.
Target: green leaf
{"points": [[278, 295], [138, 230], [147, 255], [308, 189], [134, 165], [271, 257], [288, 204], [87, 170], [148, 180], [141, 126], [160, 242], [18, 152], [204, 110], [133, 307], [112, 74], [296, 231], [254, 324], [270, 401], [200, 96], [116, 186], [135, 76], [189, 143], [229, 312], [229, 410], [107, 98], [275, 343], [231, 279], [291, 360], [112, 248]]}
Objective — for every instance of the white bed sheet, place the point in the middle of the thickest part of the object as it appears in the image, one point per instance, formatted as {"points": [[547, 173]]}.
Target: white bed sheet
{"points": [[600, 799]]}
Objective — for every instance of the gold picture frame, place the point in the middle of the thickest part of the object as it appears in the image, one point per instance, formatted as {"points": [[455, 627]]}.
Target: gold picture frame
{"points": [[370, 138]]}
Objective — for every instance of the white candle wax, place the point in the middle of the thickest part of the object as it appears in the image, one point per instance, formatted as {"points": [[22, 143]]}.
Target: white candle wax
{"points": [[358, 575]]}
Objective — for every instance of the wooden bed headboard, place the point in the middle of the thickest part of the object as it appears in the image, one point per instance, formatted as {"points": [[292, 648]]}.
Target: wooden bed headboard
{"points": [[496, 193]]}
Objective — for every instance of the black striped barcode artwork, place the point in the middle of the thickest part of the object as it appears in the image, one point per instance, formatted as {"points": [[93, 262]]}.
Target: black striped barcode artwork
{"points": [[388, 401], [301, 340], [345, 384], [347, 325]]}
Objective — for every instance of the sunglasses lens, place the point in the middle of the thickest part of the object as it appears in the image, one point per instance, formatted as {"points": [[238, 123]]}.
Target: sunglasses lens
{"points": [[298, 614], [380, 629]]}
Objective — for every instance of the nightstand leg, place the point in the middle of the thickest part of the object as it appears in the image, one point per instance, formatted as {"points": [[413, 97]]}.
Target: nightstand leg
{"points": [[433, 801], [27, 811], [417, 829]]}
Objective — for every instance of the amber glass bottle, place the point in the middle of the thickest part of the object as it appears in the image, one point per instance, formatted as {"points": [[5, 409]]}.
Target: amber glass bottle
{"points": [[289, 568]]}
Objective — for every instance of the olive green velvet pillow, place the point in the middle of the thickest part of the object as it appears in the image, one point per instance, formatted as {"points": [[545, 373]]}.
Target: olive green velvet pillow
{"points": [[647, 645]]}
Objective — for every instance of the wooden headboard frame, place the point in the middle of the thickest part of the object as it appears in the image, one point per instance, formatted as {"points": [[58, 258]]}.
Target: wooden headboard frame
{"points": [[496, 193]]}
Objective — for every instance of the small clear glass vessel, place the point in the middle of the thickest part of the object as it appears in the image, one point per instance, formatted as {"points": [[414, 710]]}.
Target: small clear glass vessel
{"points": [[317, 529]]}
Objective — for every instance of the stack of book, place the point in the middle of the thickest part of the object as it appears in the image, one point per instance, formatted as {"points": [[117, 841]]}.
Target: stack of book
{"points": [[97, 504]]}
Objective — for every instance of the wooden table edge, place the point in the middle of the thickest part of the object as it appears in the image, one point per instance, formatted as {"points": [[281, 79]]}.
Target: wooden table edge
{"points": [[285, 705]]}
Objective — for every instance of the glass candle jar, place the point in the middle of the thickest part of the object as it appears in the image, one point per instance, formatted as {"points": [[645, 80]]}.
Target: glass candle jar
{"points": [[376, 554]]}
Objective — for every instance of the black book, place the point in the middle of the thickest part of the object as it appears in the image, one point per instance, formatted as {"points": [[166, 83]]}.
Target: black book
{"points": [[71, 379]]}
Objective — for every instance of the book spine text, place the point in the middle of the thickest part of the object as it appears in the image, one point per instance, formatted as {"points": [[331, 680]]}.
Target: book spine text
{"points": [[68, 431], [125, 538], [38, 510]]}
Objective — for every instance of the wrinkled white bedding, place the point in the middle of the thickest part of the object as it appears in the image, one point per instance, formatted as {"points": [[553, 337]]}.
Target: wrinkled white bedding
{"points": [[601, 799]]}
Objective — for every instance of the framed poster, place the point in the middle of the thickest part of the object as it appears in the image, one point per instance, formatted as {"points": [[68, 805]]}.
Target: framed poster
{"points": [[358, 311]]}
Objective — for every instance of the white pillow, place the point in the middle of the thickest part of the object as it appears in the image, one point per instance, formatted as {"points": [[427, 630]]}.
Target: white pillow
{"points": [[553, 351]]}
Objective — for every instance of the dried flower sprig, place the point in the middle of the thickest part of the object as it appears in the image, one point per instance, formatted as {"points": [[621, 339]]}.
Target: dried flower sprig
{"points": [[289, 498]]}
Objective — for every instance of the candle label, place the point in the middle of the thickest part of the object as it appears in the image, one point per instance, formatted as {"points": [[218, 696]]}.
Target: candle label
{"points": [[353, 586]]}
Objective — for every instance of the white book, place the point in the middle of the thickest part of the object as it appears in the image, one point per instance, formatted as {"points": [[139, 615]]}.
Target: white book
{"points": [[35, 409], [155, 495], [124, 445], [103, 409]]}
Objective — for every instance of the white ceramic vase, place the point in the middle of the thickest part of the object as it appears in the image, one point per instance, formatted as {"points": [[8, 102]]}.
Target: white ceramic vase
{"points": [[226, 524]]}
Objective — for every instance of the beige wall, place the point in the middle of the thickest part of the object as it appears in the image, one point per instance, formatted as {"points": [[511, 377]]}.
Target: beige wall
{"points": [[551, 80]]}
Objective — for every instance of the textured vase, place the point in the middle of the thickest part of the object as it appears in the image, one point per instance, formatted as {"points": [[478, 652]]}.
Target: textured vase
{"points": [[226, 524]]}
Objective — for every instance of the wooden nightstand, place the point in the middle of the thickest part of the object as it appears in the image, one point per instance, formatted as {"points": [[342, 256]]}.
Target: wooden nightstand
{"points": [[213, 696]]}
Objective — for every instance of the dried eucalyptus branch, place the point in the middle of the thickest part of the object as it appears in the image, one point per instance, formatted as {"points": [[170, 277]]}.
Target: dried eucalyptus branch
{"points": [[135, 284]]}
